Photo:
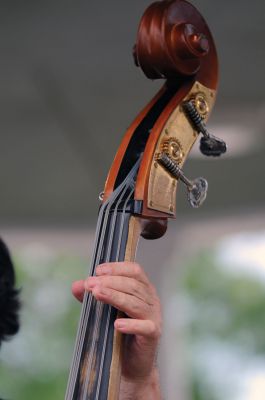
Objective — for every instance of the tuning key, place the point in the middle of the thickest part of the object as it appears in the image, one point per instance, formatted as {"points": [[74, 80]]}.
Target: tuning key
{"points": [[197, 189], [198, 192], [210, 145]]}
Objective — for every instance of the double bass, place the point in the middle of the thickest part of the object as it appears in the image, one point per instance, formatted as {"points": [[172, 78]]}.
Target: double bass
{"points": [[173, 43]]}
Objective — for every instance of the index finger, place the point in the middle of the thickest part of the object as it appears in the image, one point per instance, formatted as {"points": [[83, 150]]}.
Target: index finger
{"points": [[78, 290], [127, 269]]}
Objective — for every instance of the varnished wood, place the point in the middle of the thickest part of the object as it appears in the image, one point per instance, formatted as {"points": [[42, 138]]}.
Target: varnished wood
{"points": [[174, 41], [135, 230], [144, 171], [115, 369], [112, 175], [153, 228], [165, 50]]}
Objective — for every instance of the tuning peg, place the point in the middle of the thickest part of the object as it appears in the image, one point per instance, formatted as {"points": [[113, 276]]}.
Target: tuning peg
{"points": [[197, 189], [198, 192], [210, 145]]}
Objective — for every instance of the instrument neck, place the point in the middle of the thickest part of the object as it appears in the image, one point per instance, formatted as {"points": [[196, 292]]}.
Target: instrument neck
{"points": [[95, 371]]}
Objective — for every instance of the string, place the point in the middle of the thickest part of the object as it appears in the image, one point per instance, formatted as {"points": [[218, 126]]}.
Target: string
{"points": [[88, 297], [104, 212], [109, 307], [99, 307], [101, 230], [70, 386]]}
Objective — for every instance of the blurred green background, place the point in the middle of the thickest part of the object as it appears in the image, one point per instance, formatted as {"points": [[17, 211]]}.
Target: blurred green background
{"points": [[37, 362], [219, 290]]}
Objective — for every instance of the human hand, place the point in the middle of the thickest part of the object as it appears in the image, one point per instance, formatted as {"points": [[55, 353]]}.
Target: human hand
{"points": [[126, 287]]}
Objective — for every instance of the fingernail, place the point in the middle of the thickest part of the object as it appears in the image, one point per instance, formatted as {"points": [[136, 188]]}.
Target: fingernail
{"points": [[91, 282], [120, 324]]}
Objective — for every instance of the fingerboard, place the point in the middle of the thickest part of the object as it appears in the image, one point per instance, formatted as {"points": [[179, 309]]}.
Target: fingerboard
{"points": [[98, 335], [96, 362]]}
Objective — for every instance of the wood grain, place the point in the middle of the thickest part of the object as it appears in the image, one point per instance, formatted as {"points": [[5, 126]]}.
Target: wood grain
{"points": [[115, 370], [114, 170], [173, 43]]}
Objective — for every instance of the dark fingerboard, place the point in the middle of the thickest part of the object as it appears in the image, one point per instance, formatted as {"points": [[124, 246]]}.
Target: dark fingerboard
{"points": [[93, 376]]}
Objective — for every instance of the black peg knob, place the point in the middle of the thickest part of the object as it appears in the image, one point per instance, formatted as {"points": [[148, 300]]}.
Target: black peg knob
{"points": [[210, 145]]}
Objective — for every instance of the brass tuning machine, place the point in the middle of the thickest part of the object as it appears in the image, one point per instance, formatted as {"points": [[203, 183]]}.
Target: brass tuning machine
{"points": [[210, 145], [197, 189]]}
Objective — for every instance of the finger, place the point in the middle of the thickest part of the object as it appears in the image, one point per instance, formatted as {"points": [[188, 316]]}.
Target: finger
{"points": [[130, 305], [78, 290], [122, 284], [146, 328], [128, 269]]}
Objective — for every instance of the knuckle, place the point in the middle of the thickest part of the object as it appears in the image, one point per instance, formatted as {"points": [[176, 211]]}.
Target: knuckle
{"points": [[105, 268], [102, 280], [100, 283], [109, 295], [156, 303], [120, 302], [154, 293], [155, 330], [136, 308], [135, 288], [103, 265], [96, 291], [137, 270], [152, 329]]}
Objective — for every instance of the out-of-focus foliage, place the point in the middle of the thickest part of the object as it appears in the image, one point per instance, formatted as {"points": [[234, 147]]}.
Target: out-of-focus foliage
{"points": [[35, 364], [225, 325], [228, 307]]}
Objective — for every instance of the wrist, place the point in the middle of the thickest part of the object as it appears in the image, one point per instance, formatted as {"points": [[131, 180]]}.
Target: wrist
{"points": [[147, 388]]}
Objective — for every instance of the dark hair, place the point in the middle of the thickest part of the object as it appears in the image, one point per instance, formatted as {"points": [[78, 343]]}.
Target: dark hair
{"points": [[9, 296]]}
